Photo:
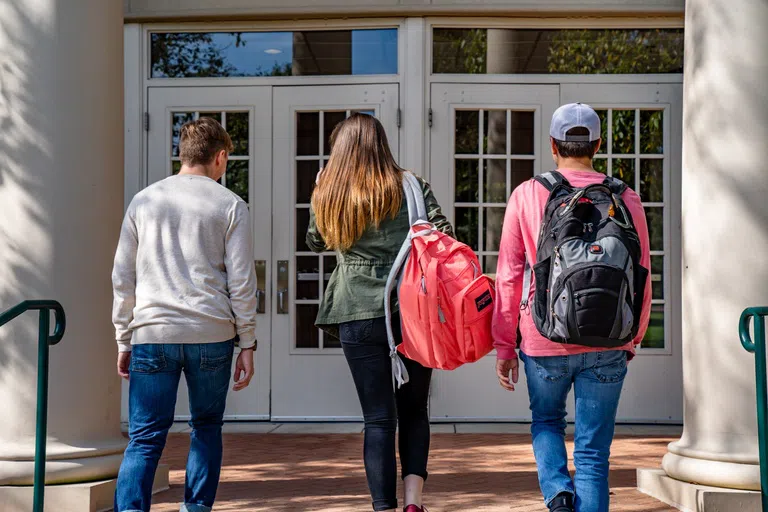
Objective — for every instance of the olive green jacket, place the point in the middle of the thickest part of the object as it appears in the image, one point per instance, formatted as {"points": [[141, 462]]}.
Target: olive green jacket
{"points": [[356, 288]]}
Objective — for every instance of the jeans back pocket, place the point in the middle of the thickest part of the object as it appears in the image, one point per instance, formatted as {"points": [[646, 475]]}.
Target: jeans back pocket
{"points": [[214, 356]]}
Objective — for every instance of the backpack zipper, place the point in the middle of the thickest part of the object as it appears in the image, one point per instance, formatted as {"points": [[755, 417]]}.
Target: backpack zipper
{"points": [[440, 314]]}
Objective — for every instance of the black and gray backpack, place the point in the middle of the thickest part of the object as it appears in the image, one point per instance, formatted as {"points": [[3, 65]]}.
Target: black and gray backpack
{"points": [[589, 282]]}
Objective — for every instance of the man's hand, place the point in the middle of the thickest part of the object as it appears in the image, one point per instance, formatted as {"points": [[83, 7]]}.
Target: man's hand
{"points": [[503, 369], [124, 364], [243, 369]]}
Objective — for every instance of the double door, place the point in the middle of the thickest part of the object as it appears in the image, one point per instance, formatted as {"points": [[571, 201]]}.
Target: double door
{"points": [[487, 139], [281, 137]]}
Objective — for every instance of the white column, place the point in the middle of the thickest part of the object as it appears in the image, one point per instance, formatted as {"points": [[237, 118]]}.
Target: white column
{"points": [[725, 239], [61, 202]]}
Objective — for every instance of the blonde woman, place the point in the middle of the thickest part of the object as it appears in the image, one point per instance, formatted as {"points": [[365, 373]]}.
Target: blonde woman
{"points": [[359, 211]]}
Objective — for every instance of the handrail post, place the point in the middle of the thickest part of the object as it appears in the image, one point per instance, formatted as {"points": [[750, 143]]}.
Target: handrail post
{"points": [[41, 433], [44, 340], [758, 348]]}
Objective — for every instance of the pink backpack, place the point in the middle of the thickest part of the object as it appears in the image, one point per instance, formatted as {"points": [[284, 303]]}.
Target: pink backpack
{"points": [[446, 302]]}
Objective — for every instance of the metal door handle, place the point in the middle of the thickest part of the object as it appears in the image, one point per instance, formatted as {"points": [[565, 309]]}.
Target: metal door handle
{"points": [[282, 287], [261, 283]]}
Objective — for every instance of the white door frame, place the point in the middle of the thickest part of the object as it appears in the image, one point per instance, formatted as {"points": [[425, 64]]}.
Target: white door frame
{"points": [[472, 393], [254, 403], [312, 384]]}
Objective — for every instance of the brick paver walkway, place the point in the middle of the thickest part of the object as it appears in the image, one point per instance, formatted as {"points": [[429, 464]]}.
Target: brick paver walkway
{"points": [[477, 472]]}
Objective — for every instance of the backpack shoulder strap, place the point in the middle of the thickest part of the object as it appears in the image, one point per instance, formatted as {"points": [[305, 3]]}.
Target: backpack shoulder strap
{"points": [[617, 186], [417, 211], [552, 179], [414, 196]]}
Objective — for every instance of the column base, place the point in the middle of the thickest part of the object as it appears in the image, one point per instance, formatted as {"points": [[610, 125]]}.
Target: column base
{"points": [[695, 498], [86, 497]]}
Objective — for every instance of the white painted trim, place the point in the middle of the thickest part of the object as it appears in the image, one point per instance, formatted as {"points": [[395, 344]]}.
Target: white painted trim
{"points": [[672, 21], [556, 79], [459, 8], [275, 25], [413, 99], [134, 134]]}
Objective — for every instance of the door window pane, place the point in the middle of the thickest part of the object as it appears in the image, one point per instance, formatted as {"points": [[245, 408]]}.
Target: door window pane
{"points": [[254, 54], [178, 119], [307, 277], [600, 165], [651, 132], [495, 132], [237, 127], [603, 115], [655, 217], [467, 178], [306, 174], [302, 224], [654, 337], [467, 124], [522, 133], [466, 226], [624, 169], [212, 115], [623, 132], [657, 277], [492, 220], [568, 51], [330, 120], [522, 171], [307, 335], [307, 133], [652, 180], [495, 190], [490, 263], [236, 178]]}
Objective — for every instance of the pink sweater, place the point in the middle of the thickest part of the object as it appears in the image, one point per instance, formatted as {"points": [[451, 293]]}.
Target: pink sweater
{"points": [[522, 223]]}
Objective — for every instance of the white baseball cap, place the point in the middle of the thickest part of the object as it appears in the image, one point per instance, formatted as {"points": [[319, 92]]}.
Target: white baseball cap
{"points": [[575, 115]]}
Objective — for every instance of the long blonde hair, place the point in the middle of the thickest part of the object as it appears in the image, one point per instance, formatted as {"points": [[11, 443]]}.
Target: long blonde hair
{"points": [[360, 186]]}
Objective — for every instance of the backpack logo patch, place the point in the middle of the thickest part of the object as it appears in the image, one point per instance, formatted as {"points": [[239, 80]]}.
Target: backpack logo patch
{"points": [[483, 301], [596, 249]]}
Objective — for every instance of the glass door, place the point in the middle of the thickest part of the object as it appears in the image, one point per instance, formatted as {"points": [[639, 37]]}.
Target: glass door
{"points": [[486, 139], [242, 111], [310, 379], [642, 134]]}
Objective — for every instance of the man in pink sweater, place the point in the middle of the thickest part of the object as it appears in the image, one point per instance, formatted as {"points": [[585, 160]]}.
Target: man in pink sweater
{"points": [[574, 301]]}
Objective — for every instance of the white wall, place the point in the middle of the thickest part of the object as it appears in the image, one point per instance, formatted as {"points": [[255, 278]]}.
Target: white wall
{"points": [[179, 9]]}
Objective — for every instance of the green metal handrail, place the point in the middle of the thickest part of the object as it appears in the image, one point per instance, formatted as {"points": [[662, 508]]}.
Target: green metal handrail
{"points": [[45, 340], [757, 347]]}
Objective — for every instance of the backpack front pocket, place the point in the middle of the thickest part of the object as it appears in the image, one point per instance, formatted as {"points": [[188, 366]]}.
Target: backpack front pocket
{"points": [[588, 302]]}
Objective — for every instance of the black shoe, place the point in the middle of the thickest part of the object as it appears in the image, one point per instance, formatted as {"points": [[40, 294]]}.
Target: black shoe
{"points": [[563, 502]]}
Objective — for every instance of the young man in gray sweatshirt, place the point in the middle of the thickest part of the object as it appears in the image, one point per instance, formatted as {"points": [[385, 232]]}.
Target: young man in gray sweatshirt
{"points": [[184, 296]]}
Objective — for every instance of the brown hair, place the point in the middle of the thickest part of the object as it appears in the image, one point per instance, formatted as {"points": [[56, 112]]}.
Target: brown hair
{"points": [[360, 186], [201, 140]]}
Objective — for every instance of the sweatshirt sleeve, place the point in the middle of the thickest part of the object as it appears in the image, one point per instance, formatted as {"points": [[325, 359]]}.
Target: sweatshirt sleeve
{"points": [[241, 274], [633, 202], [124, 281], [509, 281]]}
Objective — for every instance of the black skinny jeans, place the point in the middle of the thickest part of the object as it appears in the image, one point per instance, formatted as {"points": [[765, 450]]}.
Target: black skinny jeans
{"points": [[365, 347]]}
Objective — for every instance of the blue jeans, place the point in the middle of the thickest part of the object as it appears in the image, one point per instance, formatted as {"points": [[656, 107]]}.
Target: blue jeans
{"points": [[597, 378], [154, 381]]}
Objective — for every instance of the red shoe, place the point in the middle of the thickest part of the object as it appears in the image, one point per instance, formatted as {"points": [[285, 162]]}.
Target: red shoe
{"points": [[414, 508]]}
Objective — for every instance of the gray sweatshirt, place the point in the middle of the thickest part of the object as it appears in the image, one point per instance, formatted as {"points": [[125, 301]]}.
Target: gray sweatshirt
{"points": [[184, 268]]}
